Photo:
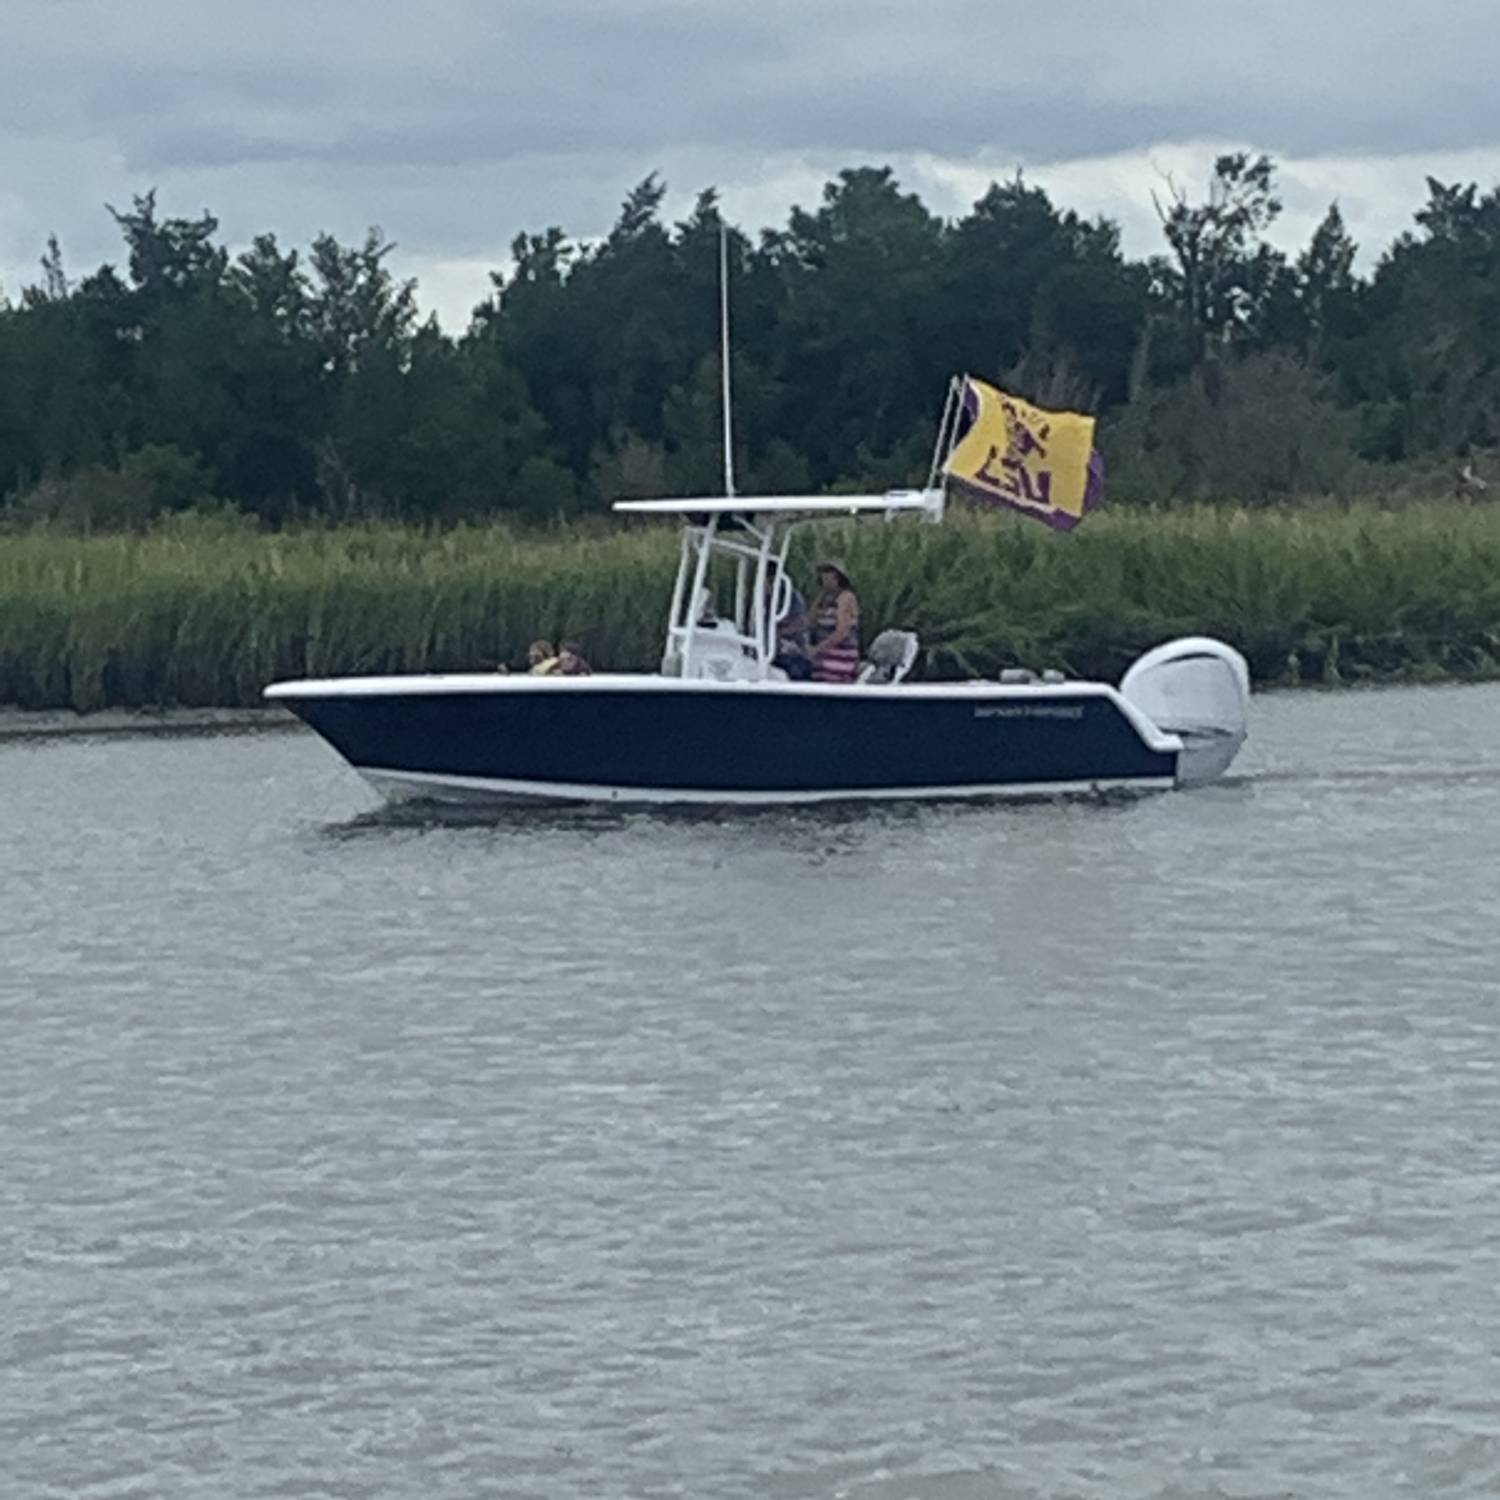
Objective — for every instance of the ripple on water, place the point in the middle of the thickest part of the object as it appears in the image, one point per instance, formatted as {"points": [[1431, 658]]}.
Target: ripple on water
{"points": [[1143, 1150]]}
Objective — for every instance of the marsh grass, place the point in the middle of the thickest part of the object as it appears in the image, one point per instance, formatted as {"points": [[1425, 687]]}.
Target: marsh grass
{"points": [[203, 612]]}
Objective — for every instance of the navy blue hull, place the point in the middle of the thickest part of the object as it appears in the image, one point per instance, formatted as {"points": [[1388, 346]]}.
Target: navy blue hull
{"points": [[761, 743]]}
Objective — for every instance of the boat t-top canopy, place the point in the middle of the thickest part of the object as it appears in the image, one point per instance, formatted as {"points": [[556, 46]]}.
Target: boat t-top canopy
{"points": [[928, 502]]}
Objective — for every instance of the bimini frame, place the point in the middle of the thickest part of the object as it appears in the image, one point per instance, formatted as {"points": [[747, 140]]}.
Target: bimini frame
{"points": [[754, 533]]}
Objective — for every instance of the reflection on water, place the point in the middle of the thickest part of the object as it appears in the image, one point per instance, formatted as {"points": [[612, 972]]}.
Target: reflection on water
{"points": [[775, 821], [1131, 1150], [415, 813]]}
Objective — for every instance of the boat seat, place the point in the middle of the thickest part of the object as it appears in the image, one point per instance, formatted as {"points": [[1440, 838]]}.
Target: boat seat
{"points": [[892, 654]]}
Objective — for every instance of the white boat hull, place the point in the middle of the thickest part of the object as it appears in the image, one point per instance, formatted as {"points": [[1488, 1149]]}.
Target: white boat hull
{"points": [[397, 786]]}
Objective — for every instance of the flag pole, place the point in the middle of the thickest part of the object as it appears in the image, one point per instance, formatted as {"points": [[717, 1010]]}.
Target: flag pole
{"points": [[946, 425]]}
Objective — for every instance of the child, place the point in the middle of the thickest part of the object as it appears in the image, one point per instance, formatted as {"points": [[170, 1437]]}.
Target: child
{"points": [[570, 662]]}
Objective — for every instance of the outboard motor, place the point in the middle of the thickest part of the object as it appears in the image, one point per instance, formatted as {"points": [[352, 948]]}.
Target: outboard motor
{"points": [[1198, 689]]}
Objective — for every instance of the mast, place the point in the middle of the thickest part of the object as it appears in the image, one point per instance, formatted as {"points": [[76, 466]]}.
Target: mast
{"points": [[724, 358]]}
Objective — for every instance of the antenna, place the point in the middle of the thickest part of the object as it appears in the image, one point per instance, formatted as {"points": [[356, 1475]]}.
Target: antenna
{"points": [[724, 358]]}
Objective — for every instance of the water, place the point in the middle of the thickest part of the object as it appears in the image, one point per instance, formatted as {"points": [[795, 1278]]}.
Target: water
{"points": [[1056, 1151]]}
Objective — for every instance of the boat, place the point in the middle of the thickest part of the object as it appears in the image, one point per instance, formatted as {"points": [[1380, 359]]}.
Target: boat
{"points": [[720, 722]]}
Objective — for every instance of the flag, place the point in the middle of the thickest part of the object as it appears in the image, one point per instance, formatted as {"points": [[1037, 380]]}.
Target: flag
{"points": [[1042, 463]]}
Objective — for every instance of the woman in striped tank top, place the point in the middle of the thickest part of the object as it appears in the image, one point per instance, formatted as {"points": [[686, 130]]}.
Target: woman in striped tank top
{"points": [[835, 633]]}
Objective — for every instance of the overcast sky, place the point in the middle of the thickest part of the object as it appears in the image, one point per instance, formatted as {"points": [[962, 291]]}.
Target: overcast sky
{"points": [[457, 123]]}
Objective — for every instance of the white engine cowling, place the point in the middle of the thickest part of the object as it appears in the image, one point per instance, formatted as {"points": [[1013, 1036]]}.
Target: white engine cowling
{"points": [[1198, 689]]}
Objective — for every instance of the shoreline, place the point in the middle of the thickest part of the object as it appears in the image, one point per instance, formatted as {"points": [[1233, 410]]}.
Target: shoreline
{"points": [[66, 723]]}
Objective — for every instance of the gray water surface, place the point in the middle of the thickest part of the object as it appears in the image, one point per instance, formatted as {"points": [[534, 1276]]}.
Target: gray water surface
{"points": [[1143, 1150]]}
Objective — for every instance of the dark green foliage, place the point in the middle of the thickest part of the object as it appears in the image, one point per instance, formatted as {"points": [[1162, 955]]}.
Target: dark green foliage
{"points": [[1424, 359], [148, 484], [1226, 280], [1253, 429], [1031, 291], [300, 385]]}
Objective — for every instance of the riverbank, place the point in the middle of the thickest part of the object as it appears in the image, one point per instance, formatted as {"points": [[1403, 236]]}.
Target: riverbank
{"points": [[67, 723], [203, 614]]}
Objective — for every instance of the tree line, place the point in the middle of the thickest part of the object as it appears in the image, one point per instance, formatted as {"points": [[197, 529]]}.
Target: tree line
{"points": [[305, 385]]}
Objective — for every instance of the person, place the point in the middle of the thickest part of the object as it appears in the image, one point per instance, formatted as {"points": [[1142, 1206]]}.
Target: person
{"points": [[570, 662], [791, 630], [835, 625], [541, 659]]}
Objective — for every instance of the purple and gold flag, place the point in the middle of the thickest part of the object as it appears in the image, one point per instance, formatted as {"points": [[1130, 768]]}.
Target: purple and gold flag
{"points": [[1042, 463]]}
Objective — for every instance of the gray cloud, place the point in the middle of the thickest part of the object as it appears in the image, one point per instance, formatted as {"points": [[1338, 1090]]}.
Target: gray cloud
{"points": [[459, 122], [180, 85]]}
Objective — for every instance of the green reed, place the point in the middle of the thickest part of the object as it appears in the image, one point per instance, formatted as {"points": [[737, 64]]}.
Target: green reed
{"points": [[200, 612]]}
